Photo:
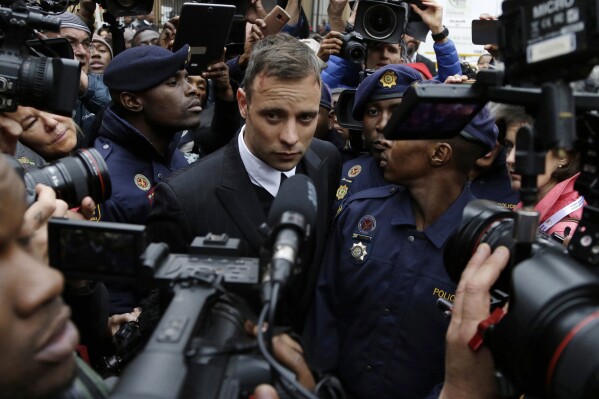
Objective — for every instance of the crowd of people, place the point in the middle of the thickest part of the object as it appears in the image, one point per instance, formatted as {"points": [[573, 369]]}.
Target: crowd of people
{"points": [[192, 155]]}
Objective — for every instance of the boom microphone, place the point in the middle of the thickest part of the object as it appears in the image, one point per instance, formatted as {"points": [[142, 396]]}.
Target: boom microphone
{"points": [[291, 218]]}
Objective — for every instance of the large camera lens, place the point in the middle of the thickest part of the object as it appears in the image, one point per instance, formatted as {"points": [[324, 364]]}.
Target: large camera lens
{"points": [[380, 21], [483, 222], [74, 178], [49, 84]]}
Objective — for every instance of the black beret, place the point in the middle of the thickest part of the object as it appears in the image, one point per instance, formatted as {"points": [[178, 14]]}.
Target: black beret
{"points": [[387, 82], [141, 68], [482, 128]]}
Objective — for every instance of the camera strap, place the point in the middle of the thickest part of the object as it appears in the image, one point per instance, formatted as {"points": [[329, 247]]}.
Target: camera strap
{"points": [[562, 213]]}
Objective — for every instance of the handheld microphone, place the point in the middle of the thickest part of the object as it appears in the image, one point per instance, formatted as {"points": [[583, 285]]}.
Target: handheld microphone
{"points": [[292, 217]]}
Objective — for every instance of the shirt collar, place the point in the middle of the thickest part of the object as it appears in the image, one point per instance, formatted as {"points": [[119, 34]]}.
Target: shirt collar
{"points": [[261, 174], [442, 228]]}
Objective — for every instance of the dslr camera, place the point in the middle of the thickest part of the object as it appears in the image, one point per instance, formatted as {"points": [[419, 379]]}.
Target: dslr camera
{"points": [[353, 48]]}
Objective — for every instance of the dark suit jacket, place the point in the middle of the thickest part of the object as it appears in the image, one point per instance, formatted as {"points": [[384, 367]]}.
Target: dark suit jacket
{"points": [[428, 62], [216, 195]]}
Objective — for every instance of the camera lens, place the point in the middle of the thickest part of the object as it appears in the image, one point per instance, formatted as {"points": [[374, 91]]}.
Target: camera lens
{"points": [[74, 178], [355, 52], [380, 22], [483, 222]]}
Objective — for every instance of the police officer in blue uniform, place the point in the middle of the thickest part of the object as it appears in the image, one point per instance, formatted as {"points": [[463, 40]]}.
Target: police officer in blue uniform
{"points": [[152, 100], [374, 320], [376, 98]]}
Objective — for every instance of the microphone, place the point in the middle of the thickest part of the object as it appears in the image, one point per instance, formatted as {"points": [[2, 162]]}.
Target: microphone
{"points": [[291, 218]]}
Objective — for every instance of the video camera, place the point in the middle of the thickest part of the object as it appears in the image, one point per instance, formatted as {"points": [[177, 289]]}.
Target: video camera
{"points": [[31, 73], [546, 344], [387, 20], [200, 347]]}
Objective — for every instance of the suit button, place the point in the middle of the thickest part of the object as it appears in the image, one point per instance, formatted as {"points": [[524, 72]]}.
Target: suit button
{"points": [[106, 146], [160, 175], [368, 368], [410, 238]]}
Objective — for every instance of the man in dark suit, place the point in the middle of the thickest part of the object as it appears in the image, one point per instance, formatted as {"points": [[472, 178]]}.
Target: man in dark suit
{"points": [[412, 45], [231, 190]]}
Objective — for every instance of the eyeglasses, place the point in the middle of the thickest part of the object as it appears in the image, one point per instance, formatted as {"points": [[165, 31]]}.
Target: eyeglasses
{"points": [[86, 44]]}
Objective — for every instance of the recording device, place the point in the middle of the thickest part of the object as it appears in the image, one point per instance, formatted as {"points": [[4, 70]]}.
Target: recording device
{"points": [[26, 77], [275, 21], [387, 20], [205, 27], [72, 178], [545, 345], [543, 40], [200, 347], [485, 31], [353, 48]]}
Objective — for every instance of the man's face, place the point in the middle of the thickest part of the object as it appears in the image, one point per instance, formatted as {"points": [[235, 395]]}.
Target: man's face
{"points": [[37, 339], [381, 54], [80, 42], [100, 58], [201, 86], [173, 104], [405, 161], [148, 37], [280, 118], [411, 43], [376, 117]]}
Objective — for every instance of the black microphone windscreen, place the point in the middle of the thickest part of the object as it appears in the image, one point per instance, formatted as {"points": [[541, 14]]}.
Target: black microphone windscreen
{"points": [[297, 194]]}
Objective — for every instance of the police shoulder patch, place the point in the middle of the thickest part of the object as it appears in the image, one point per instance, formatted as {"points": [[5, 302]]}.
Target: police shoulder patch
{"points": [[142, 182], [354, 171], [367, 224]]}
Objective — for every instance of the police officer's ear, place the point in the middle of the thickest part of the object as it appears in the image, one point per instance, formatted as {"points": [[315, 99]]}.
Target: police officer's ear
{"points": [[331, 119], [242, 102], [440, 154], [130, 101]]}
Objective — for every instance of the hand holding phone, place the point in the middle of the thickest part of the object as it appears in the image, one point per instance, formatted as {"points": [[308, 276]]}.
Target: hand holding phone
{"points": [[275, 21]]}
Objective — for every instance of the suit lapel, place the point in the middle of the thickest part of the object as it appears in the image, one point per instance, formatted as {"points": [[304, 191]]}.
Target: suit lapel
{"points": [[239, 198], [316, 169]]}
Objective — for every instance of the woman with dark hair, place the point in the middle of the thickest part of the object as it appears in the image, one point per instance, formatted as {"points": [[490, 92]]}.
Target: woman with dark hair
{"points": [[559, 204]]}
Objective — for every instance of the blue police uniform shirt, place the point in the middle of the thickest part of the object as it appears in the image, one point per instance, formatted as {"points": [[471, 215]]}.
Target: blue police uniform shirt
{"points": [[135, 168], [358, 174], [374, 320]]}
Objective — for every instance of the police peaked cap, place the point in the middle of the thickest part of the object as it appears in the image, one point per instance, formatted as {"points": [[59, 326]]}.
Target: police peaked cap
{"points": [[141, 68], [390, 81], [482, 129]]}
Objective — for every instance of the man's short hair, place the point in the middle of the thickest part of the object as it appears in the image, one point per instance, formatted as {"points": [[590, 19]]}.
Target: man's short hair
{"points": [[281, 56]]}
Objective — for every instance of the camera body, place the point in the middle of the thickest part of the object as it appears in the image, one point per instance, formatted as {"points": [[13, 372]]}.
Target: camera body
{"points": [[49, 84], [353, 48], [200, 347], [383, 21], [548, 341]]}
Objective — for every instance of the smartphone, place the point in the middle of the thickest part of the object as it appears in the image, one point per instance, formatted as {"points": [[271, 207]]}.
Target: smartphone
{"points": [[485, 31], [275, 21], [205, 27]]}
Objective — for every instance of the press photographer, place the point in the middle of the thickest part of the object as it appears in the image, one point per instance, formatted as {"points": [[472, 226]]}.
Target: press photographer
{"points": [[375, 40]]}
